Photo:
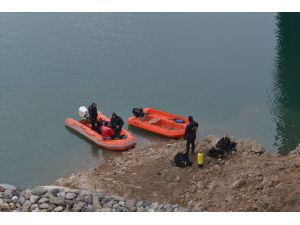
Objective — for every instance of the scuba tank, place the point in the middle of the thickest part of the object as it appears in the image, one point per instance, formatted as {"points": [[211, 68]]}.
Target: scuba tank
{"points": [[200, 159]]}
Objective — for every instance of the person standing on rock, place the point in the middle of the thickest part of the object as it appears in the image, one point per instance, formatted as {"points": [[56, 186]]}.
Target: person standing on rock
{"points": [[190, 135], [93, 114]]}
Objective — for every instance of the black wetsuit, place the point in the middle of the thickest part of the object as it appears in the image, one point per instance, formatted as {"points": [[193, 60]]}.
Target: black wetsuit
{"points": [[190, 136], [93, 114], [116, 124]]}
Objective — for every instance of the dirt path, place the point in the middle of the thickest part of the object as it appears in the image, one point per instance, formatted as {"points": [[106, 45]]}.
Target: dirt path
{"points": [[247, 181]]}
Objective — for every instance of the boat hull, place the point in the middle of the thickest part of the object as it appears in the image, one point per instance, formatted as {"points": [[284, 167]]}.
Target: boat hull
{"points": [[160, 122], [83, 128]]}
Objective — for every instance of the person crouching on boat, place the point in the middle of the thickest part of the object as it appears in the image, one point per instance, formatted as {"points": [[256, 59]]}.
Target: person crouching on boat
{"points": [[190, 135], [116, 123], [93, 114]]}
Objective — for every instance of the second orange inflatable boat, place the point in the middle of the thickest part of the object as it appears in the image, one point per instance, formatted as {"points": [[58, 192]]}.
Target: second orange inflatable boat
{"points": [[84, 128], [159, 122]]}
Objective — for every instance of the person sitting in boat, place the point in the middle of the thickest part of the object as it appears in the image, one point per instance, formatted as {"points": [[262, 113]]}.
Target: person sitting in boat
{"points": [[93, 114], [116, 123], [138, 112], [106, 132], [99, 125]]}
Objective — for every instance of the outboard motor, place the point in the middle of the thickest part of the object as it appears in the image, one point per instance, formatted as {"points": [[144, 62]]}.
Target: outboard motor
{"points": [[138, 112], [83, 112]]}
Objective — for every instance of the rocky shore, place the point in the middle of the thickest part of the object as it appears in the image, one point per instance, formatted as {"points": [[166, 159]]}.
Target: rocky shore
{"points": [[249, 180], [62, 199]]}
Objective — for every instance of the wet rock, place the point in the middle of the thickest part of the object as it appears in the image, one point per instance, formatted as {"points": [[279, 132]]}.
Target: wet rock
{"points": [[59, 209], [44, 206], [34, 198], [38, 191]]}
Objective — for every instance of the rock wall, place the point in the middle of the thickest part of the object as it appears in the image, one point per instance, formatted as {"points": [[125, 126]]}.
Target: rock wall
{"points": [[63, 199]]}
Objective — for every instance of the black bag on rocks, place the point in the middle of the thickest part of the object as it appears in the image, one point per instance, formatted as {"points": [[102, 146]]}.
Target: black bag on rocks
{"points": [[182, 160], [223, 147]]}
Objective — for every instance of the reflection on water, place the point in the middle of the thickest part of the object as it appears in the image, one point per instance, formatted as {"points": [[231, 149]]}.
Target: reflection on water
{"points": [[286, 104]]}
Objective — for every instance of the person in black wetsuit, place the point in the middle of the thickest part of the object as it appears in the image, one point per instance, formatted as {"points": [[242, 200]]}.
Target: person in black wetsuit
{"points": [[93, 114], [116, 123], [190, 135]]}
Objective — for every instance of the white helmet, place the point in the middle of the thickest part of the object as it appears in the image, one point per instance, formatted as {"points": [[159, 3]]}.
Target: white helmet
{"points": [[83, 112]]}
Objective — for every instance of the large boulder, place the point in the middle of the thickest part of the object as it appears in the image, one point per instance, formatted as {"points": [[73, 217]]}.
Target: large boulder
{"points": [[70, 196], [56, 200], [78, 206], [34, 198], [7, 187], [4, 207], [26, 206], [130, 203], [38, 191]]}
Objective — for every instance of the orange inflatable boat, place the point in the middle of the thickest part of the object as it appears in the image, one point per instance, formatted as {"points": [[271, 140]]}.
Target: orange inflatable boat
{"points": [[159, 122], [84, 128]]}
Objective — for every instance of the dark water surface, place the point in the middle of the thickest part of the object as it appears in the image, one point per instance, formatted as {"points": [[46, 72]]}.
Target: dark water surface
{"points": [[235, 73]]}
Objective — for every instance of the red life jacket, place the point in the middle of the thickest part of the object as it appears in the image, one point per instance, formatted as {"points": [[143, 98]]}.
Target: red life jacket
{"points": [[106, 132]]}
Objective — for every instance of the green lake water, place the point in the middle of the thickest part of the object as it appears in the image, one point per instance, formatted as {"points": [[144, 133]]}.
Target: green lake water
{"points": [[236, 73]]}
